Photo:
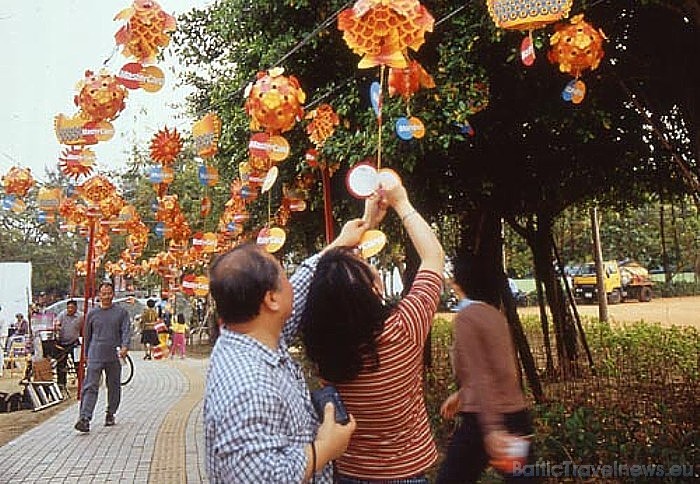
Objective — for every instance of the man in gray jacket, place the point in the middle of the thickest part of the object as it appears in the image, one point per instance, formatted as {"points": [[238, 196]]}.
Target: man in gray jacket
{"points": [[107, 328]]}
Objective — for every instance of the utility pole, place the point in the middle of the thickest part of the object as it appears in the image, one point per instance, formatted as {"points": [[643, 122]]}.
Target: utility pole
{"points": [[600, 280]]}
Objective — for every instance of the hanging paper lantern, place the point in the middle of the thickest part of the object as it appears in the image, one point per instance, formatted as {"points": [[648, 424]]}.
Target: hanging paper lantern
{"points": [[382, 30], [146, 31], [205, 134], [76, 131], [527, 14], [576, 46], [322, 125], [100, 97], [76, 162], [49, 199], [274, 101], [96, 188], [409, 80], [18, 181], [165, 146]]}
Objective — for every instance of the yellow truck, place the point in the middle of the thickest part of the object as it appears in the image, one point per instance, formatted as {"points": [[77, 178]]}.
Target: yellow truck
{"points": [[623, 280]]}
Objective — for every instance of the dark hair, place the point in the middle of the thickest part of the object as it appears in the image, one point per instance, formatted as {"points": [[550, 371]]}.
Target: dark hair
{"points": [[105, 284], [151, 303], [343, 317], [181, 318], [477, 278], [239, 280], [72, 302]]}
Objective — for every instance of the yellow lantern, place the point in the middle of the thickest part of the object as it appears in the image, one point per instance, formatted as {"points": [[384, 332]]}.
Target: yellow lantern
{"points": [[527, 15]]}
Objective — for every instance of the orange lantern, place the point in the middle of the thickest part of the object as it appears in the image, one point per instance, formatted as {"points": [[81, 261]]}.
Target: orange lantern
{"points": [[274, 102], [165, 146], [18, 181], [381, 31], [147, 30], [322, 125], [76, 162], [407, 81], [100, 97], [576, 46], [205, 134], [96, 189]]}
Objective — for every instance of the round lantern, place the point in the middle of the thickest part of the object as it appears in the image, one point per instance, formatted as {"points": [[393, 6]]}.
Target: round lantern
{"points": [[576, 46], [18, 181], [100, 97], [274, 102]]}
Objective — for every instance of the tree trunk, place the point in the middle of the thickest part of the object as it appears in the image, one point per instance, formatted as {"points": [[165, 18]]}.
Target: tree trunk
{"points": [[483, 237], [539, 237]]}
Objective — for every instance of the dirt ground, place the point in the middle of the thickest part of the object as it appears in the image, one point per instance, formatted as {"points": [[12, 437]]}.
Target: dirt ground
{"points": [[684, 311], [678, 311]]}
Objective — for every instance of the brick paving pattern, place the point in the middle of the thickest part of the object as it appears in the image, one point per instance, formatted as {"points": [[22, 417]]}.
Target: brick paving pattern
{"points": [[158, 437]]}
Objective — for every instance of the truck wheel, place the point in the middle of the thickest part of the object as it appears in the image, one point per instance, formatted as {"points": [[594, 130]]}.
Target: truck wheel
{"points": [[645, 294], [615, 297]]}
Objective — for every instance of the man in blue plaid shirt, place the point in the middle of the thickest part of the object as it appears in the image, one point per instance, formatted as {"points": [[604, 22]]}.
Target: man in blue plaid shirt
{"points": [[259, 422]]}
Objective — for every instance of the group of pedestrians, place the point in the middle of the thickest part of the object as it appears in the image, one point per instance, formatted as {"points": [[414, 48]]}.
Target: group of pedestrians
{"points": [[157, 327], [259, 421]]}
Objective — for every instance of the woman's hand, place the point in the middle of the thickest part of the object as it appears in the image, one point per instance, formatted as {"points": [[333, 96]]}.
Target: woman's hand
{"points": [[351, 234], [449, 407], [375, 210]]}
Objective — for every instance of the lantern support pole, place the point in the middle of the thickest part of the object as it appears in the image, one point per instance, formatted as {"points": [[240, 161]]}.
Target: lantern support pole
{"points": [[327, 211], [86, 297]]}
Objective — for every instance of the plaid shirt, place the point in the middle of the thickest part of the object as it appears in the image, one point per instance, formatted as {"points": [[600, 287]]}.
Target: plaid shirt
{"points": [[258, 416]]}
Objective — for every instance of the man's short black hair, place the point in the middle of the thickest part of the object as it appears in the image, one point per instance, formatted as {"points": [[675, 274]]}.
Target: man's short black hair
{"points": [[151, 303], [72, 302], [239, 280]]}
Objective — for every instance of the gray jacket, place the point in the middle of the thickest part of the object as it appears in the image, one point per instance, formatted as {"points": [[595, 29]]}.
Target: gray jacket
{"points": [[105, 330]]}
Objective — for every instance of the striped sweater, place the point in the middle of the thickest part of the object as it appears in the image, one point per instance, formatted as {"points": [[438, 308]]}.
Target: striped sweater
{"points": [[393, 437]]}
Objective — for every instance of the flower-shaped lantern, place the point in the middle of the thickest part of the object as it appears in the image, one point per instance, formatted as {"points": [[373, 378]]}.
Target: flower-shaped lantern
{"points": [[527, 15], [76, 162], [576, 46], [165, 146]]}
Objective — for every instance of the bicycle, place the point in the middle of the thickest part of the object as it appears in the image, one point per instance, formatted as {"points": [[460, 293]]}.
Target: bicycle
{"points": [[127, 373]]}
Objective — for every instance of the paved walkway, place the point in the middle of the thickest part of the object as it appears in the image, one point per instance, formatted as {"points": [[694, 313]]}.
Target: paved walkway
{"points": [[158, 437]]}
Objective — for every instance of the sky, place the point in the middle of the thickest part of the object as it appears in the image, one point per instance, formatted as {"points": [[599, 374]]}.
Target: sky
{"points": [[47, 47]]}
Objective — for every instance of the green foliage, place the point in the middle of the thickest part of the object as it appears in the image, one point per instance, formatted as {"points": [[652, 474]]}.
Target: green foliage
{"points": [[638, 409]]}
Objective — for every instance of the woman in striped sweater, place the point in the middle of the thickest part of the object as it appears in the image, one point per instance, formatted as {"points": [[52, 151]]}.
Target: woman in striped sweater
{"points": [[373, 354]]}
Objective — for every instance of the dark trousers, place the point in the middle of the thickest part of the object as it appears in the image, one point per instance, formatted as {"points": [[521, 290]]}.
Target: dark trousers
{"points": [[88, 397], [466, 456]]}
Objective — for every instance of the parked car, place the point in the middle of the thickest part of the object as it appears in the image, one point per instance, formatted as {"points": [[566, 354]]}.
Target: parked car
{"points": [[132, 305]]}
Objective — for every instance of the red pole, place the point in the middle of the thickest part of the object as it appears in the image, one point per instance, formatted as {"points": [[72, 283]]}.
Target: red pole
{"points": [[327, 212], [87, 296]]}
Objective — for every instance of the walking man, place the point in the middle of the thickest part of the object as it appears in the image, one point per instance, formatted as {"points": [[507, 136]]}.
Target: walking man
{"points": [[106, 337]]}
